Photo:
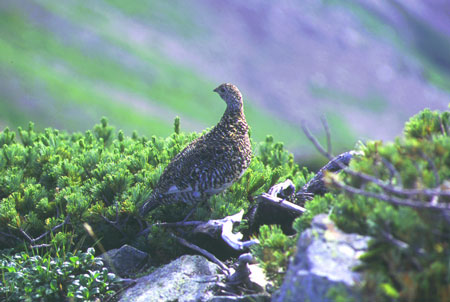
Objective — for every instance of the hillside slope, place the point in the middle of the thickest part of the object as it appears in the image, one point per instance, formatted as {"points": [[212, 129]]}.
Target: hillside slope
{"points": [[66, 64]]}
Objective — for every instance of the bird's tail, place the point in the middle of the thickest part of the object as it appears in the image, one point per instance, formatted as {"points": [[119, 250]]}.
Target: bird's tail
{"points": [[151, 204]]}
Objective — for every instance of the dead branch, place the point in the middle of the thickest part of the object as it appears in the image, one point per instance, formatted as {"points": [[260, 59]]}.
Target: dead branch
{"points": [[417, 204], [387, 187], [281, 203], [34, 240], [205, 253]]}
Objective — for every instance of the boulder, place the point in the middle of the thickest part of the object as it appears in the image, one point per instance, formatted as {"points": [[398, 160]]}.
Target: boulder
{"points": [[188, 278], [323, 265], [125, 260], [245, 298]]}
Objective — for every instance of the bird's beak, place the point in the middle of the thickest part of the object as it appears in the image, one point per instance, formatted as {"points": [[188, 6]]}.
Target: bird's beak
{"points": [[216, 89]]}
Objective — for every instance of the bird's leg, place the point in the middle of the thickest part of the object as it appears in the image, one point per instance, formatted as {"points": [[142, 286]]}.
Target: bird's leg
{"points": [[191, 212], [194, 208]]}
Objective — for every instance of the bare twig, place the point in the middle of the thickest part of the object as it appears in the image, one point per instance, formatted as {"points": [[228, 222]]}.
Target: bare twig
{"points": [[234, 239], [179, 224], [328, 134], [115, 224], [38, 246], [387, 187], [392, 199], [433, 168], [393, 171], [391, 239], [282, 203], [443, 130], [397, 190], [280, 188], [205, 253], [316, 143], [33, 240]]}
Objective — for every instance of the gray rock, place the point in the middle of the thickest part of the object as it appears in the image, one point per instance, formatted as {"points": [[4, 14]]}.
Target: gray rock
{"points": [[124, 260], [245, 298], [323, 264], [188, 278]]}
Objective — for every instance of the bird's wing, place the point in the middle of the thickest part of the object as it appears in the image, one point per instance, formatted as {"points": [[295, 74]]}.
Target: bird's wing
{"points": [[192, 165]]}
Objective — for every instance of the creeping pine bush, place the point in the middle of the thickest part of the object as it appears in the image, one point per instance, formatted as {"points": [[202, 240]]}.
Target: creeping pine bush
{"points": [[274, 252], [70, 192], [99, 178], [409, 256]]}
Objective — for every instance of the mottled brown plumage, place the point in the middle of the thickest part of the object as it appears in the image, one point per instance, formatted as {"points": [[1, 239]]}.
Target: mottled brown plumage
{"points": [[209, 164]]}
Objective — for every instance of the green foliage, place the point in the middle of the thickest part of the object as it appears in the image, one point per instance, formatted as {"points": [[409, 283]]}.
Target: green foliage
{"points": [[72, 276], [274, 251], [271, 165], [339, 293], [7, 137], [428, 123], [101, 177], [320, 204], [74, 191], [176, 125], [408, 258]]}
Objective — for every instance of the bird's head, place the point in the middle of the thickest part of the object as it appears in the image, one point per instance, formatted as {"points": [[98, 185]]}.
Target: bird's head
{"points": [[231, 95]]}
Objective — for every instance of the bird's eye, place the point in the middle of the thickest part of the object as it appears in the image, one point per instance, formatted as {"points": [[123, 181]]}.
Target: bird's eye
{"points": [[222, 89]]}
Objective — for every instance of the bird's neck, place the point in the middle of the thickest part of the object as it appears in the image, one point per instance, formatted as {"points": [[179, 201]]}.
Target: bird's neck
{"points": [[234, 111], [234, 120]]}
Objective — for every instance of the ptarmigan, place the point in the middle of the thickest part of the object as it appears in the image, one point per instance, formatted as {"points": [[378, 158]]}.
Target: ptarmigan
{"points": [[209, 164]]}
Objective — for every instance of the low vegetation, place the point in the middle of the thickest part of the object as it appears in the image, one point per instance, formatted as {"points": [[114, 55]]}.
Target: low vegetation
{"points": [[396, 192], [70, 192], [66, 198]]}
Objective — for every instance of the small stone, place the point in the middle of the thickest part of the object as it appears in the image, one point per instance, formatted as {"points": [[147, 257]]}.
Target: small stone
{"points": [[324, 261], [124, 260], [186, 279]]}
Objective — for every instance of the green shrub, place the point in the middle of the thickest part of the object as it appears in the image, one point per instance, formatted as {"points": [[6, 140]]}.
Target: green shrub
{"points": [[408, 258], [274, 252], [52, 183], [70, 277]]}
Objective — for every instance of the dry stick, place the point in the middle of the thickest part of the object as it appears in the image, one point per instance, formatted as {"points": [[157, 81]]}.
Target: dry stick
{"points": [[389, 188], [378, 182], [328, 134], [279, 202], [201, 251], [38, 246], [33, 240], [427, 192], [393, 171], [179, 224], [443, 129], [392, 199], [315, 141], [433, 167]]}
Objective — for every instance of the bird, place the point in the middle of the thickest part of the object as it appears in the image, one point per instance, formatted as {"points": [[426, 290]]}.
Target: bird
{"points": [[209, 164]]}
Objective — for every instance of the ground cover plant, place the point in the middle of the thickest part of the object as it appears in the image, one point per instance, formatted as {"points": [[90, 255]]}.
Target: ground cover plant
{"points": [[71, 192], [398, 193], [65, 198], [74, 276]]}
